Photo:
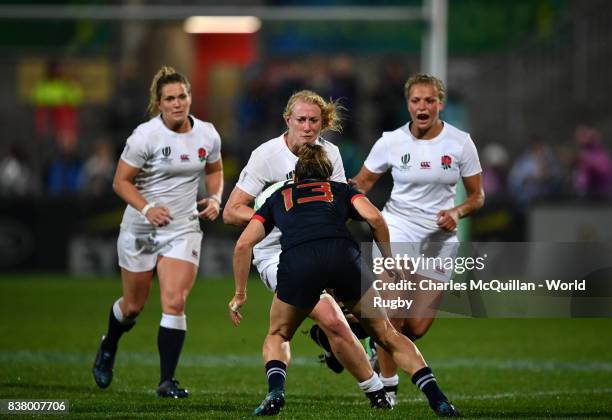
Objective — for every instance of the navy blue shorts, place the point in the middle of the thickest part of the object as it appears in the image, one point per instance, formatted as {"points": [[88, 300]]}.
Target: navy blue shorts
{"points": [[305, 270]]}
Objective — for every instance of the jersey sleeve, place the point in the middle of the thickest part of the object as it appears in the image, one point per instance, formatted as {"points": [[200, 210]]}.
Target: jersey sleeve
{"points": [[378, 160], [254, 176], [215, 153], [470, 163], [136, 153], [338, 174], [265, 216]]}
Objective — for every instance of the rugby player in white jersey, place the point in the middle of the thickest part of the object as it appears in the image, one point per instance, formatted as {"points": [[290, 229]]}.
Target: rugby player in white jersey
{"points": [[158, 176], [427, 157], [306, 116]]}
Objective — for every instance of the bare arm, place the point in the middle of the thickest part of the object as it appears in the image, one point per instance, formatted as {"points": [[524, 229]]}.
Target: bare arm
{"points": [[365, 180], [238, 210], [252, 234], [214, 187], [448, 219], [123, 185], [376, 221]]}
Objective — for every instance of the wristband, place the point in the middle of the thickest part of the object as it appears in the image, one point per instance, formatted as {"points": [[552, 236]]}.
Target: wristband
{"points": [[146, 208], [216, 198]]}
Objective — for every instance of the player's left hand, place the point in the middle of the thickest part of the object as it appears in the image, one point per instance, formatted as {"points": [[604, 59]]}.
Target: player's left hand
{"points": [[448, 219], [211, 209], [234, 306]]}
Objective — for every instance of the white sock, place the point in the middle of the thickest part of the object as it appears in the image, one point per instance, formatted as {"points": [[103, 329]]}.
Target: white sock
{"points": [[392, 381], [119, 314], [175, 322], [372, 384]]}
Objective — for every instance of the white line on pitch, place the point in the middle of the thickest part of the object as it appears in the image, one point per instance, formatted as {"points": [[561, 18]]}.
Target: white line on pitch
{"points": [[195, 360]]}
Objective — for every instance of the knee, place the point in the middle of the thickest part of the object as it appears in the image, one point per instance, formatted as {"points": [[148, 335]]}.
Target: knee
{"points": [[174, 304]]}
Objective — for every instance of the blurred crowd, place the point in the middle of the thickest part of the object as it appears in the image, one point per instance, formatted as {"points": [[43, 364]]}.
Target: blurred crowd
{"points": [[78, 163], [580, 168]]}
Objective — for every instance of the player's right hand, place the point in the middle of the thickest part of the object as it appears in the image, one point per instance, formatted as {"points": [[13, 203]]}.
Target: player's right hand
{"points": [[234, 308], [211, 210], [159, 216]]}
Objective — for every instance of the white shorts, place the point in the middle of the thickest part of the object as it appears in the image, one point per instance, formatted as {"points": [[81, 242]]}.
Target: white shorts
{"points": [[419, 237], [139, 252], [268, 269]]}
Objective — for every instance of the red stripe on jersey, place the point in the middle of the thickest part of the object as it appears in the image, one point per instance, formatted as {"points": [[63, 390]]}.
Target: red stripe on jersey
{"points": [[258, 217], [287, 198], [356, 196]]}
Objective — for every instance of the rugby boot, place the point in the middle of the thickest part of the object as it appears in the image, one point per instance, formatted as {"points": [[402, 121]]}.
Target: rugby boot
{"points": [[272, 404], [379, 399], [446, 409], [170, 389], [103, 365]]}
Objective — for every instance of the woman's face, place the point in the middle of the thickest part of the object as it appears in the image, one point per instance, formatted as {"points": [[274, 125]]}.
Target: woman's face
{"points": [[303, 125], [174, 104], [424, 106]]}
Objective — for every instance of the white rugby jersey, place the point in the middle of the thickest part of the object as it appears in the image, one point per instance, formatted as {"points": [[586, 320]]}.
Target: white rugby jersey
{"points": [[425, 172], [272, 162], [170, 165]]}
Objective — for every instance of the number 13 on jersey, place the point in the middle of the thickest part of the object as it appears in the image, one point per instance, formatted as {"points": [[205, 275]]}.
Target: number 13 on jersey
{"points": [[322, 190]]}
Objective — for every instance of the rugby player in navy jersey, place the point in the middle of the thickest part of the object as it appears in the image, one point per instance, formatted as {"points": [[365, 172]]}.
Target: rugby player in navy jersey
{"points": [[318, 253]]}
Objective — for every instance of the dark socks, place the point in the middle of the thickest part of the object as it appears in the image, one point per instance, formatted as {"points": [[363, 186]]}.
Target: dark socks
{"points": [[115, 331], [276, 371], [169, 343], [425, 380]]}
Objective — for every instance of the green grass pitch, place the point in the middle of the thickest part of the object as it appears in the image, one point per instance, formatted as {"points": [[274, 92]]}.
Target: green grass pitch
{"points": [[490, 368]]}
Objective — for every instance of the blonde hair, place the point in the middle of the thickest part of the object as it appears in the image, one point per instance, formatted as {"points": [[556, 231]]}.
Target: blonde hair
{"points": [[164, 76], [313, 163], [425, 79], [330, 111]]}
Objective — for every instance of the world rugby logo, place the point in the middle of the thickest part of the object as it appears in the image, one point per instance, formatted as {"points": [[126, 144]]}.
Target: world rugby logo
{"points": [[166, 152], [405, 159]]}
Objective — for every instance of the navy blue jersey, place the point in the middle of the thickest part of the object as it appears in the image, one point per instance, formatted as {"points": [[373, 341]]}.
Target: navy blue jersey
{"points": [[309, 210]]}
